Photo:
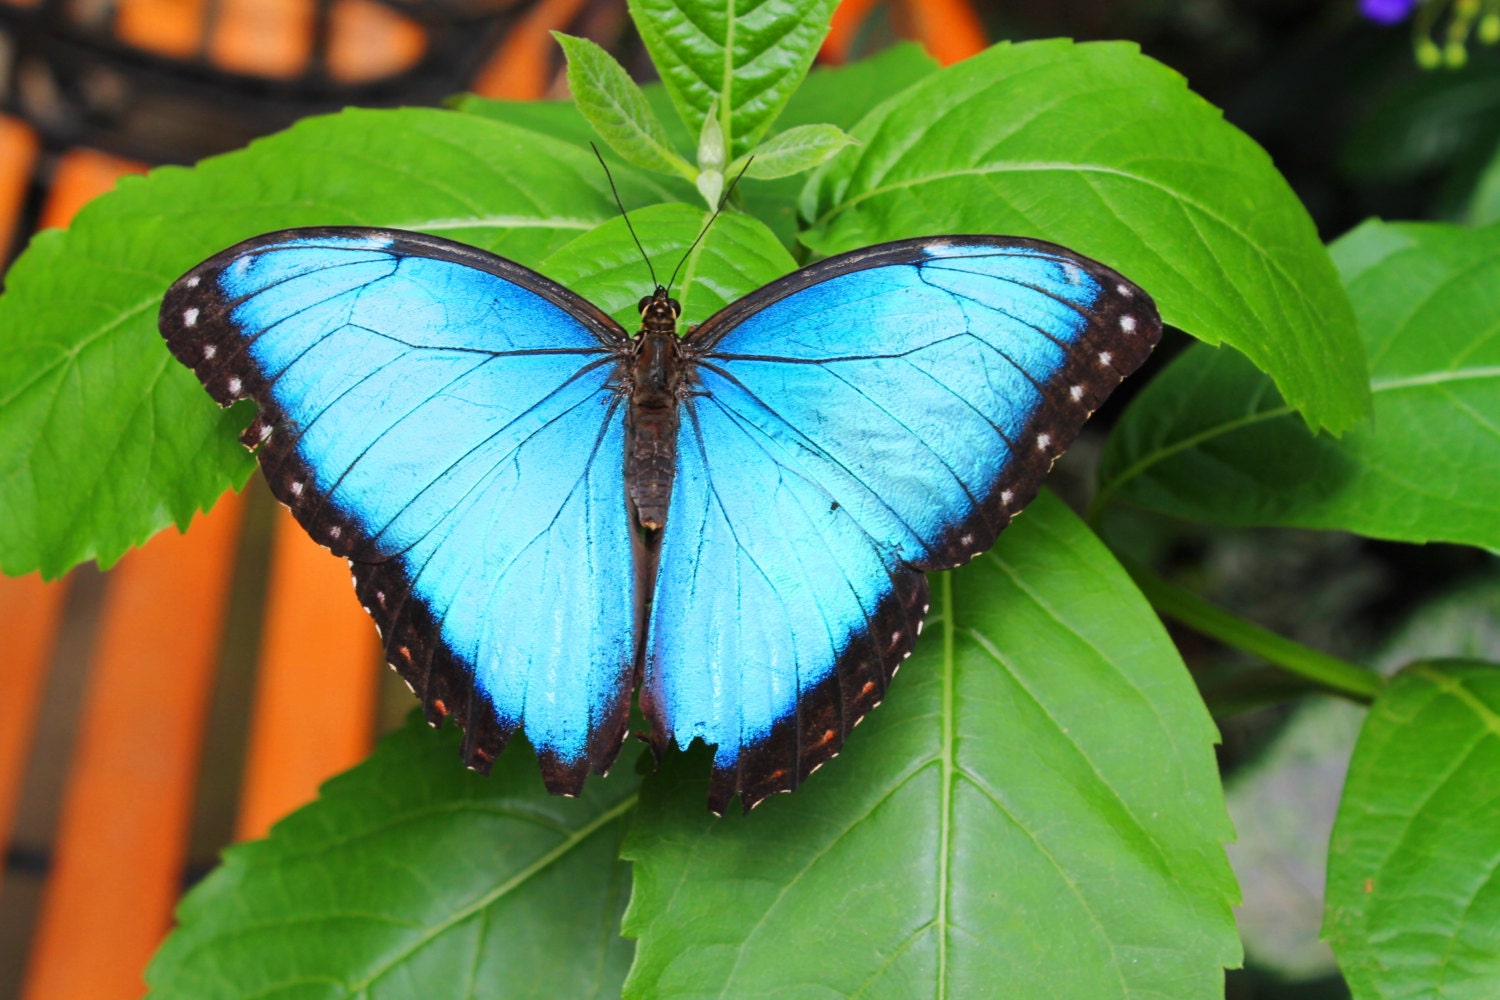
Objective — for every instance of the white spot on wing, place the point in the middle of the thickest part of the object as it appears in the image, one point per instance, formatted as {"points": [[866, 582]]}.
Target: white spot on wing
{"points": [[1076, 392], [234, 386], [190, 316], [1043, 440], [335, 531], [1127, 323], [966, 540], [209, 350], [296, 489], [1105, 357], [1006, 497], [1123, 290], [192, 282]]}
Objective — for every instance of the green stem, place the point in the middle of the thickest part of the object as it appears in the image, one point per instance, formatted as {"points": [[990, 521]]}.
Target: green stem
{"points": [[1173, 602]]}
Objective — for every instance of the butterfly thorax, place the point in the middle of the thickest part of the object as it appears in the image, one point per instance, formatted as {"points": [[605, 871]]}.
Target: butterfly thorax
{"points": [[655, 384]]}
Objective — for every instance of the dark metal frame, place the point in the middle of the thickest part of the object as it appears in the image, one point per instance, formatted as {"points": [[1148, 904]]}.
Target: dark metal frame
{"points": [[51, 51]]}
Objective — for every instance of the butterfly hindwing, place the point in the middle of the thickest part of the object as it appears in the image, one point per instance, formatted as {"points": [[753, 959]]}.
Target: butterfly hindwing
{"points": [[446, 420], [777, 617], [874, 416]]}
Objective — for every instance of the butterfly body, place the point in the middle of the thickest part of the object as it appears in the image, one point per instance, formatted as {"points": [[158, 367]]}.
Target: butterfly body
{"points": [[544, 513], [657, 384]]}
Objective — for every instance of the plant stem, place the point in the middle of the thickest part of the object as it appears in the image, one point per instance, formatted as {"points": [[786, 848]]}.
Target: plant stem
{"points": [[1340, 676]]}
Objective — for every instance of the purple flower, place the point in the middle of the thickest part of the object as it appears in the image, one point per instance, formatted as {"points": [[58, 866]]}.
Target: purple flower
{"points": [[1387, 11]]}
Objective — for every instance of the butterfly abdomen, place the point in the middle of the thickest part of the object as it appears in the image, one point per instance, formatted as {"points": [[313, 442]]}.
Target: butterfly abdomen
{"points": [[651, 426]]}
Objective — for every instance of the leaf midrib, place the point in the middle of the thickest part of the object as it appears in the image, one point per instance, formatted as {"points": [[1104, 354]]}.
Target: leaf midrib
{"points": [[945, 830]]}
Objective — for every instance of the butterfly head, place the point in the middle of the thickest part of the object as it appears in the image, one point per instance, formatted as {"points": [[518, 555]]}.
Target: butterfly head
{"points": [[659, 312]]}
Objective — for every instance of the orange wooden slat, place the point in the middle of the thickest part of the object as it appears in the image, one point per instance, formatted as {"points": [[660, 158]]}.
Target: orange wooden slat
{"points": [[950, 29], [172, 28], [18, 152], [270, 38], [367, 41], [29, 613], [520, 69], [117, 861], [848, 18], [316, 686], [82, 175]]}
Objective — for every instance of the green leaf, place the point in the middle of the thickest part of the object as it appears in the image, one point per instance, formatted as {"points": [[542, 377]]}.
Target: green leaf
{"points": [[737, 255], [1210, 439], [793, 151], [616, 108], [1284, 803], [748, 56], [104, 438], [1413, 897], [1106, 151], [410, 874], [839, 95], [1033, 813], [1484, 203], [712, 158]]}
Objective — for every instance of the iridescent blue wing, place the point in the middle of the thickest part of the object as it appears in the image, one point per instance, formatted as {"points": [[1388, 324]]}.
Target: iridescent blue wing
{"points": [[859, 422], [445, 419]]}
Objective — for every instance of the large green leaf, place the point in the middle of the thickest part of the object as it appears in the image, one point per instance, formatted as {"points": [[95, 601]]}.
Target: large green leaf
{"points": [[411, 876], [1104, 150], [1413, 895], [746, 55], [104, 438], [736, 255], [1033, 813], [1211, 439]]}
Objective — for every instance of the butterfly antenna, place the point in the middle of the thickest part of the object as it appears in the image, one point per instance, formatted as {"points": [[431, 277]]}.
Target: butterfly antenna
{"points": [[722, 202], [613, 190]]}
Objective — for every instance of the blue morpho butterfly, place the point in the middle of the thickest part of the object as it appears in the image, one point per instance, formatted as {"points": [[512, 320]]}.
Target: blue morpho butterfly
{"points": [[544, 512]]}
